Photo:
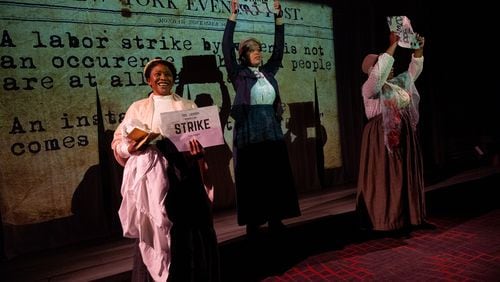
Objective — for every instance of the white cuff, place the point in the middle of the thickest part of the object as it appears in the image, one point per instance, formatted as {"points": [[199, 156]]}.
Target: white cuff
{"points": [[123, 150]]}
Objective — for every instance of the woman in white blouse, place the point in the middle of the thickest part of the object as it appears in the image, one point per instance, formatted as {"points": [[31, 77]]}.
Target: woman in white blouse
{"points": [[167, 195], [390, 194]]}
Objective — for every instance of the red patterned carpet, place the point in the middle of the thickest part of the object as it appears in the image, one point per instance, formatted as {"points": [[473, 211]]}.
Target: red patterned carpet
{"points": [[464, 246], [455, 251], [325, 244]]}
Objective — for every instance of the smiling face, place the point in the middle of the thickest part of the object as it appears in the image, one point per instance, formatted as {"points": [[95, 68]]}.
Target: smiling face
{"points": [[161, 80]]}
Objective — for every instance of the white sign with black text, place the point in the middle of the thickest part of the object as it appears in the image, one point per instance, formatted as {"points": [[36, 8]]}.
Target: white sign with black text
{"points": [[201, 123]]}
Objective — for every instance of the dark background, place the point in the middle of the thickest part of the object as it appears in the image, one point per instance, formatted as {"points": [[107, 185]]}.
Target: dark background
{"points": [[459, 102]]}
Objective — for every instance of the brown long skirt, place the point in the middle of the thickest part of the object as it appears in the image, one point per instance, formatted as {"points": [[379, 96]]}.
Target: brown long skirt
{"points": [[390, 192]]}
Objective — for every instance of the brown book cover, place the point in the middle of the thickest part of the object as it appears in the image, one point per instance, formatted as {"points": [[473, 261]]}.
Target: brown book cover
{"points": [[141, 136]]}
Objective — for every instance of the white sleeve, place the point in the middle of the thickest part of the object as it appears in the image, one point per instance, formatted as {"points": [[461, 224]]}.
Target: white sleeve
{"points": [[122, 149], [416, 66], [377, 76]]}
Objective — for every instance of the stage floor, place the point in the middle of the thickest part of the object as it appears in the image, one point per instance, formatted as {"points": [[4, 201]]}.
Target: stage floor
{"points": [[111, 260]]}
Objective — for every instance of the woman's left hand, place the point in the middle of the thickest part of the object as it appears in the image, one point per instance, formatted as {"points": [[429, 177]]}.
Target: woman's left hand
{"points": [[196, 150], [277, 7], [421, 41]]}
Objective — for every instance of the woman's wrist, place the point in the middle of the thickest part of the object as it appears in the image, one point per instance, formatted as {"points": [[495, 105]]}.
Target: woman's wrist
{"points": [[278, 14]]}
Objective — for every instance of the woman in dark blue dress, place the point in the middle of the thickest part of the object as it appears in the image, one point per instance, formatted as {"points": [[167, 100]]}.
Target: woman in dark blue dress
{"points": [[265, 192]]}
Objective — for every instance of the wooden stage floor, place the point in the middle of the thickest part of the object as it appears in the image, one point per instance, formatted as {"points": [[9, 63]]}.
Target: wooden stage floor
{"points": [[111, 260]]}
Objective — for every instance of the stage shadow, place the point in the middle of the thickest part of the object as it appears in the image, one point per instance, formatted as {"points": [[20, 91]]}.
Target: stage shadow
{"points": [[272, 253], [269, 254]]}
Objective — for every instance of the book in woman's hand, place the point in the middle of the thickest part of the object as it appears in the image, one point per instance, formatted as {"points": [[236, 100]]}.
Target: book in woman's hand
{"points": [[141, 136]]}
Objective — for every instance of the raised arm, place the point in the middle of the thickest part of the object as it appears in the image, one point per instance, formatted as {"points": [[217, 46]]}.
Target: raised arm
{"points": [[380, 71], [393, 43], [278, 12], [274, 62], [420, 51], [228, 42], [417, 61]]}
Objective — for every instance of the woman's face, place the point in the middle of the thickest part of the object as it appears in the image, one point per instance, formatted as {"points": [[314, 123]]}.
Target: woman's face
{"points": [[254, 58], [161, 80], [254, 55]]}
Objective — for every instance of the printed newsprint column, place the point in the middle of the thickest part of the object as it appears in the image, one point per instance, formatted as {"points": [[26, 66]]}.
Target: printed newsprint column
{"points": [[201, 123]]}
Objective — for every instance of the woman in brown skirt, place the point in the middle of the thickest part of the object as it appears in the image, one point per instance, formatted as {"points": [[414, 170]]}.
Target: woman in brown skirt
{"points": [[390, 194]]}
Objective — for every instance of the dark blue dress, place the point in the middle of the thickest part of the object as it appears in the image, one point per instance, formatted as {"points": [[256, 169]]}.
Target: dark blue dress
{"points": [[265, 190]]}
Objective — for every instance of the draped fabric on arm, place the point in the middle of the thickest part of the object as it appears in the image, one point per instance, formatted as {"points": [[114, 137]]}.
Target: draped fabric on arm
{"points": [[400, 94], [390, 97], [373, 85], [142, 212], [144, 188]]}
